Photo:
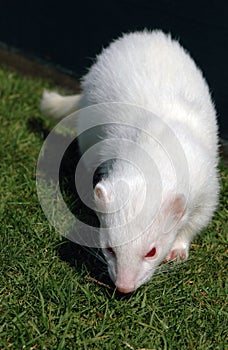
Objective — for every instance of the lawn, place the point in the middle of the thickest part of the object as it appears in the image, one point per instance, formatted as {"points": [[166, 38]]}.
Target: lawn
{"points": [[55, 295]]}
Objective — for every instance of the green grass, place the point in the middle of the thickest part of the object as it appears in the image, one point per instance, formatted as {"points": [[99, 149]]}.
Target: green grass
{"points": [[48, 298]]}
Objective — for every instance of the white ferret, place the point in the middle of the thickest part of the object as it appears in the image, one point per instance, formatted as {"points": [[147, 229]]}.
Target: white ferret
{"points": [[152, 211]]}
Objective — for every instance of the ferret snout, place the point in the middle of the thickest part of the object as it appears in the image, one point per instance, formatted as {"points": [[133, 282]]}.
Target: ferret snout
{"points": [[126, 290], [125, 285]]}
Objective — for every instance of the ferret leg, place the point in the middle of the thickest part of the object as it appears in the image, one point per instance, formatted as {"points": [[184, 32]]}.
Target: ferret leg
{"points": [[180, 249], [179, 252]]}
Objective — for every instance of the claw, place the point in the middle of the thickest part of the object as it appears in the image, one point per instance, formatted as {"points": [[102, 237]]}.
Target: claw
{"points": [[177, 255]]}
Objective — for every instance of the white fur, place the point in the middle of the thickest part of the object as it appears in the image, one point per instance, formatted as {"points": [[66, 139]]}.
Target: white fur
{"points": [[150, 70]]}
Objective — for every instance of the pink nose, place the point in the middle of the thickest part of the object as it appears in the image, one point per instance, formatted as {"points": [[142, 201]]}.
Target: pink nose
{"points": [[125, 290]]}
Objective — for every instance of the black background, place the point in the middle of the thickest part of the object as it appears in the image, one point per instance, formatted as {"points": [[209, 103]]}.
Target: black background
{"points": [[71, 33]]}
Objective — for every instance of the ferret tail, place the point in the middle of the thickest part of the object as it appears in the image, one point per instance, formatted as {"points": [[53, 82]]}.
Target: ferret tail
{"points": [[57, 106]]}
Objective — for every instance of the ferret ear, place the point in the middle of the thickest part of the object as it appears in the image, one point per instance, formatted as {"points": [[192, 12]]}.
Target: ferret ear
{"points": [[173, 210], [177, 206], [102, 193]]}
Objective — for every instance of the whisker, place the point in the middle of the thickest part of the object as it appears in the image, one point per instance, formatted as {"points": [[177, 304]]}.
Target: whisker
{"points": [[96, 253]]}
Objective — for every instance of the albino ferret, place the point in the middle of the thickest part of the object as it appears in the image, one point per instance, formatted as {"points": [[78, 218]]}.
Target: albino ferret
{"points": [[161, 131]]}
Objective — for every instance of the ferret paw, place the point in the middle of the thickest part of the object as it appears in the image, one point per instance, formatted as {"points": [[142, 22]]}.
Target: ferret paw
{"points": [[177, 255]]}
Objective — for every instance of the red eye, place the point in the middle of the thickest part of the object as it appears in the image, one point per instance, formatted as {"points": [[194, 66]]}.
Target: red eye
{"points": [[151, 253], [110, 250]]}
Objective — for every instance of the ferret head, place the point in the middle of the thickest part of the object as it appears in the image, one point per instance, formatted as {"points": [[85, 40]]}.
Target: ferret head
{"points": [[131, 251]]}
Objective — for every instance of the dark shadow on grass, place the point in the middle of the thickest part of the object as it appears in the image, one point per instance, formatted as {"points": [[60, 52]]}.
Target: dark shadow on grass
{"points": [[80, 258], [36, 126], [74, 254]]}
